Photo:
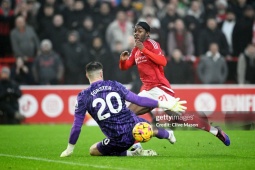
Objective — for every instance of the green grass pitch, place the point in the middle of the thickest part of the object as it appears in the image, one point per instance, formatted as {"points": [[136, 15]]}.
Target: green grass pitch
{"points": [[36, 147]]}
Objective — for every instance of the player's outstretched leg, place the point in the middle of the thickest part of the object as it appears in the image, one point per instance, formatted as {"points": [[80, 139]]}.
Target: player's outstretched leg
{"points": [[164, 134], [203, 125]]}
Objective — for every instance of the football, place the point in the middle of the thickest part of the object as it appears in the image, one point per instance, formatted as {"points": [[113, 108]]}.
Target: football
{"points": [[142, 132]]}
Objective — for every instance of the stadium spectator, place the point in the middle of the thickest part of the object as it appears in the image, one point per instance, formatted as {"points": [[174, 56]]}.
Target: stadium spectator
{"points": [[9, 95], [246, 66], [6, 25], [221, 7], [56, 4], [58, 33], [239, 8], [180, 38], [92, 7], [99, 52], [212, 68], [104, 18], [211, 34], [33, 8], [45, 22], [13, 3], [78, 14], [119, 30], [21, 9], [245, 30], [160, 5], [75, 56], [251, 2], [155, 33], [24, 40], [125, 5], [156, 7], [48, 67], [209, 8], [194, 21], [196, 11], [181, 6], [88, 31], [132, 16], [148, 6], [67, 13], [154, 21], [28, 9], [167, 22], [229, 28], [179, 71], [21, 72]]}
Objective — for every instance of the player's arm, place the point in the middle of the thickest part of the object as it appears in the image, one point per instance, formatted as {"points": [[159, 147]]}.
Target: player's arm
{"points": [[126, 60], [156, 58], [174, 105], [79, 115], [155, 53]]}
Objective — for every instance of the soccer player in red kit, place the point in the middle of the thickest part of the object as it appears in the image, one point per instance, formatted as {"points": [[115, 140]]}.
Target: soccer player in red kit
{"points": [[150, 61]]}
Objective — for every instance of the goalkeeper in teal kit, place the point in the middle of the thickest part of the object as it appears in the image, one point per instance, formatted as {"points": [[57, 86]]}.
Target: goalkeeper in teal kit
{"points": [[105, 101]]}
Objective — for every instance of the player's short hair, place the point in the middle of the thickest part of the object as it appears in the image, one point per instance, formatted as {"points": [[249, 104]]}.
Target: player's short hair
{"points": [[144, 25], [93, 66]]}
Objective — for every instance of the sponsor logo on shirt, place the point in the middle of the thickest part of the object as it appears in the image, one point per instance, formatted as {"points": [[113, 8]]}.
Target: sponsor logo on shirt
{"points": [[139, 58]]}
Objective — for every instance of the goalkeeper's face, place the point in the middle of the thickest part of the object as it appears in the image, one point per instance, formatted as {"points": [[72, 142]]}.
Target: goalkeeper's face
{"points": [[140, 33]]}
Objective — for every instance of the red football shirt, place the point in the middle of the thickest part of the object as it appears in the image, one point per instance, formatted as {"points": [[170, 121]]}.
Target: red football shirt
{"points": [[150, 63]]}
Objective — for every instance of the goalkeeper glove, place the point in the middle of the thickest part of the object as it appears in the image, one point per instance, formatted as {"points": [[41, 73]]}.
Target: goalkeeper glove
{"points": [[174, 105], [178, 107], [68, 151]]}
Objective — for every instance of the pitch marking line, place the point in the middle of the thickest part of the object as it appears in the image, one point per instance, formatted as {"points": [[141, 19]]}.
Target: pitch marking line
{"points": [[61, 162]]}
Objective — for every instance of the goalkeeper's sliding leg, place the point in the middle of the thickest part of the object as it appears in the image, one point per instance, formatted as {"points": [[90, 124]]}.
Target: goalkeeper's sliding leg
{"points": [[109, 147]]}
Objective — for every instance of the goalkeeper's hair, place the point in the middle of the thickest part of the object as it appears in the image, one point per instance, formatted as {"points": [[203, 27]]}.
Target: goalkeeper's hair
{"points": [[93, 66]]}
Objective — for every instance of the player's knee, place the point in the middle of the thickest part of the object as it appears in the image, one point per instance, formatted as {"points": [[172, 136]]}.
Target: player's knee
{"points": [[93, 151]]}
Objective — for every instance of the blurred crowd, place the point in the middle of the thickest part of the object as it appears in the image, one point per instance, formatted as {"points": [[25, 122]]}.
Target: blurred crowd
{"points": [[52, 40]]}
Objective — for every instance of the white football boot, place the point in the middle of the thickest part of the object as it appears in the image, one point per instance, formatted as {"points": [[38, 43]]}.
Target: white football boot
{"points": [[136, 146], [171, 137], [141, 152]]}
